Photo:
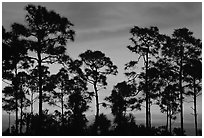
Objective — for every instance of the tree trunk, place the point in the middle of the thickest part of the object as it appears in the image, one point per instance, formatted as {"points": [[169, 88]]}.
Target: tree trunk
{"points": [[195, 109], [21, 124], [62, 104], [180, 88], [167, 118], [40, 91], [147, 93], [27, 121], [97, 106], [16, 99], [150, 124], [31, 105], [170, 116]]}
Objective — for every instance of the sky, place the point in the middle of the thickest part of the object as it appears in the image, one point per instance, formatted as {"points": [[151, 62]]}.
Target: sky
{"points": [[105, 27]]}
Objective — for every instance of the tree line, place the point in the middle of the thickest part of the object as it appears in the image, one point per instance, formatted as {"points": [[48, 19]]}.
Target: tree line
{"points": [[172, 70]]}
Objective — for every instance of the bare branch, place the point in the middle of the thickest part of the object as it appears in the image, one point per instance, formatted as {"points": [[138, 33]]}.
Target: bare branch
{"points": [[31, 58], [198, 94], [56, 105], [7, 82], [50, 56]]}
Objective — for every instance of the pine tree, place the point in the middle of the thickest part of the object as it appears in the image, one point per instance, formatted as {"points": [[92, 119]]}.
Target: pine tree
{"points": [[97, 67], [47, 34]]}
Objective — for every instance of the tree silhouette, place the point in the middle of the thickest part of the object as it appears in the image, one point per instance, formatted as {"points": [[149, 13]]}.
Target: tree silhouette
{"points": [[128, 127], [78, 104], [22, 78], [27, 118], [178, 132], [167, 81], [193, 73], [9, 102], [122, 98], [180, 48], [33, 90], [166, 77], [14, 51], [61, 82], [47, 33], [169, 104], [146, 43], [103, 124], [22, 101], [153, 85], [49, 124], [97, 67]]}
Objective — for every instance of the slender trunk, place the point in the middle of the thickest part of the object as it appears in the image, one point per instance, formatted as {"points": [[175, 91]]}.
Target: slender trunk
{"points": [[167, 118], [16, 116], [31, 105], [181, 89], [195, 110], [147, 93], [16, 99], [150, 124], [62, 104], [97, 106], [29, 118], [181, 107], [170, 111], [40, 91], [21, 124], [170, 116]]}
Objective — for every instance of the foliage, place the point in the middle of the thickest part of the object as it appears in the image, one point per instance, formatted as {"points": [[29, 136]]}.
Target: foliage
{"points": [[122, 98], [165, 78], [97, 67]]}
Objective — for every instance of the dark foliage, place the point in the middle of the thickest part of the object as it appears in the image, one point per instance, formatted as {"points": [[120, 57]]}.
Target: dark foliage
{"points": [[97, 67], [165, 80]]}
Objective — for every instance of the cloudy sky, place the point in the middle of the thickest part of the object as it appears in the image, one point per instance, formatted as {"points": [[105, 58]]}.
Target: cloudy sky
{"points": [[105, 27]]}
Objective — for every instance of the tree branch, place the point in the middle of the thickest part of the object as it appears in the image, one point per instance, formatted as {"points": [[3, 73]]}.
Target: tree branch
{"points": [[50, 56], [90, 81], [7, 82], [198, 94], [56, 105], [186, 85], [31, 58]]}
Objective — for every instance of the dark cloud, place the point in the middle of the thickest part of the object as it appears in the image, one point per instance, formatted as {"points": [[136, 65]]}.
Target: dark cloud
{"points": [[106, 17], [162, 15]]}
